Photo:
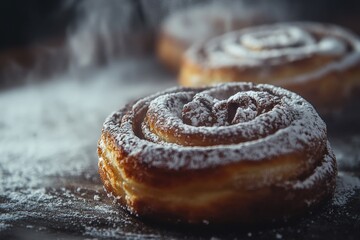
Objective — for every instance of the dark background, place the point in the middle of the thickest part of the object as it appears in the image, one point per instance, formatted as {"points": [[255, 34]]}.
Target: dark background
{"points": [[26, 22], [49, 185]]}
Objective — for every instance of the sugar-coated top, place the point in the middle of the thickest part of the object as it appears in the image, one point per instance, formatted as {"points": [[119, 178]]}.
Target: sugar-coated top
{"points": [[280, 44], [218, 125]]}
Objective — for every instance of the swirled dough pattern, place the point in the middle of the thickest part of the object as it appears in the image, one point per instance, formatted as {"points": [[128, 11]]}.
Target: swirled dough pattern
{"points": [[235, 152]]}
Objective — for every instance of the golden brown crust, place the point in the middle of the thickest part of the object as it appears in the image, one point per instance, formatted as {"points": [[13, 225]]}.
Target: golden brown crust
{"points": [[160, 185], [170, 51], [250, 206], [317, 77]]}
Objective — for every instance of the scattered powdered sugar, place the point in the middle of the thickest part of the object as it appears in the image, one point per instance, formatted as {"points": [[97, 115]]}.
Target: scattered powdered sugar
{"points": [[278, 236], [4, 226], [48, 138], [346, 187], [347, 158], [117, 233], [48, 175], [325, 169]]}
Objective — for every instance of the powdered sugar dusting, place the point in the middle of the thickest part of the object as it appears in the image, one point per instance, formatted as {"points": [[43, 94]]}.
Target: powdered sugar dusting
{"points": [[297, 128], [347, 185], [325, 169], [278, 44], [48, 136]]}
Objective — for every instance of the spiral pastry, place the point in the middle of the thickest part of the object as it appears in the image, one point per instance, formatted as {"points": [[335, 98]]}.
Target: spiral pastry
{"points": [[320, 62], [236, 152], [186, 27]]}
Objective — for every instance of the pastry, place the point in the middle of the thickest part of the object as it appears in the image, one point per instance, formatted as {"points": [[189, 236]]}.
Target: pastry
{"points": [[185, 27], [318, 61], [231, 153]]}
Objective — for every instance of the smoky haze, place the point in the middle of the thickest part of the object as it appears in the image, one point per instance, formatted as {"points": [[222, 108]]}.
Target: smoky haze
{"points": [[63, 36]]}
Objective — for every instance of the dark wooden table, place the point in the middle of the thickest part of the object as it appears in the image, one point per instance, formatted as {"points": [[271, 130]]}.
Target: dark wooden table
{"points": [[49, 185]]}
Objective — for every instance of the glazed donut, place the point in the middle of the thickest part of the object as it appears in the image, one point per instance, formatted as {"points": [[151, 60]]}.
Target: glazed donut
{"points": [[320, 62], [232, 153], [183, 28]]}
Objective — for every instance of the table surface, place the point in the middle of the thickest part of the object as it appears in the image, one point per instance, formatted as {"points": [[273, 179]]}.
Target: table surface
{"points": [[50, 188]]}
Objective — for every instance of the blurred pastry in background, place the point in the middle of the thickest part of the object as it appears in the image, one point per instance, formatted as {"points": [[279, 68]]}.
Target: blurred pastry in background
{"points": [[185, 27], [320, 62]]}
